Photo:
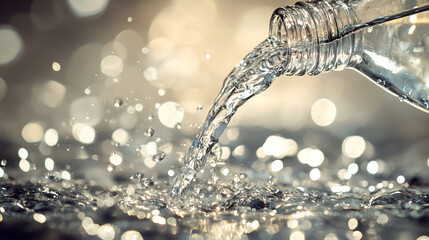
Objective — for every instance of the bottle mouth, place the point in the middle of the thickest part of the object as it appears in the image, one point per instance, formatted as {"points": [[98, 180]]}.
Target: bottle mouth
{"points": [[313, 33], [294, 28], [277, 25], [295, 25]]}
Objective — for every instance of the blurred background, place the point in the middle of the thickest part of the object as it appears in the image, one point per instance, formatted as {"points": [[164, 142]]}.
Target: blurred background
{"points": [[105, 85]]}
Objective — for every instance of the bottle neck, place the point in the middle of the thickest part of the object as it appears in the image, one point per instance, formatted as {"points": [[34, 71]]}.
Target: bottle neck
{"points": [[326, 34], [315, 35]]}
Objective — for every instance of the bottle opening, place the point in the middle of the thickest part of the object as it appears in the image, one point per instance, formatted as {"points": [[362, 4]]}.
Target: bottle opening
{"points": [[277, 26]]}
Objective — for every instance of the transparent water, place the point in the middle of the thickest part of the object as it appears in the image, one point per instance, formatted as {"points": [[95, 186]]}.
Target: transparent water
{"points": [[252, 75], [315, 183], [393, 54], [239, 209]]}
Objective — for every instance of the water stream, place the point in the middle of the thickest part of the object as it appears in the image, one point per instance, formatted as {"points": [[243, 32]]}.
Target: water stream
{"points": [[252, 75]]}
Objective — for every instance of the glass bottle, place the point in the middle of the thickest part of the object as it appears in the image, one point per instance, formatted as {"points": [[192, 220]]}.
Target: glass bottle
{"points": [[385, 40]]}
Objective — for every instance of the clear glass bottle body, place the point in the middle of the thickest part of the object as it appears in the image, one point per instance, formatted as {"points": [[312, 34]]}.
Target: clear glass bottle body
{"points": [[387, 41]]}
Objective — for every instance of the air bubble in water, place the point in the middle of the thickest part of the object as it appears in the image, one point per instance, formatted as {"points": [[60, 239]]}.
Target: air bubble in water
{"points": [[117, 102], [87, 90], [3, 162]]}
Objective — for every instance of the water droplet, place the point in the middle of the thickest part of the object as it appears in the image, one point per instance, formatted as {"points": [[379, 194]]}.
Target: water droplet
{"points": [[23, 153], [199, 107], [117, 102], [145, 50], [207, 55], [151, 74], [84, 9], [112, 66], [65, 175], [11, 44], [161, 92], [139, 107], [131, 235], [56, 66], [243, 175], [170, 113], [137, 176], [39, 218], [49, 164], [110, 168], [149, 132], [159, 156], [24, 165], [115, 159]]}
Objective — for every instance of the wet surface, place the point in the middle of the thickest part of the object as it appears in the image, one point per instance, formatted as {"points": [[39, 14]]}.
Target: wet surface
{"points": [[237, 209]]}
